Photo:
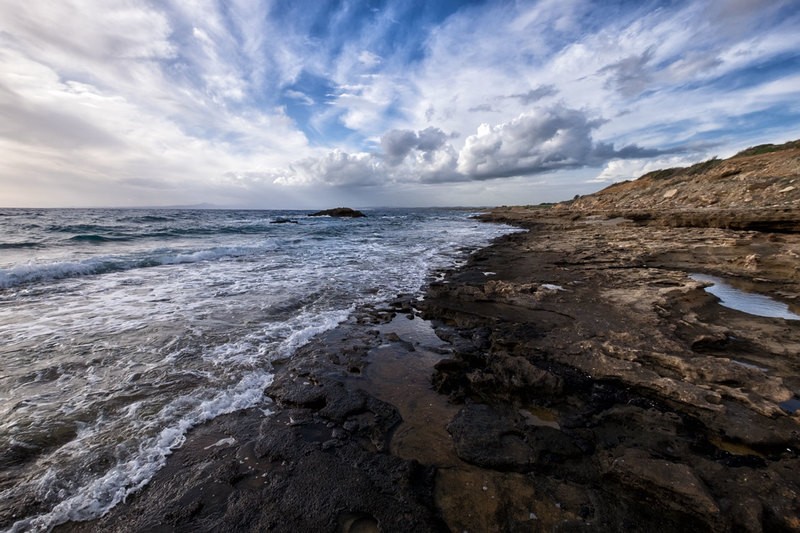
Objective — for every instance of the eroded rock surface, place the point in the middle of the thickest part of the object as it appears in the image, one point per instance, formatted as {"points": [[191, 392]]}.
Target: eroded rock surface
{"points": [[590, 362]]}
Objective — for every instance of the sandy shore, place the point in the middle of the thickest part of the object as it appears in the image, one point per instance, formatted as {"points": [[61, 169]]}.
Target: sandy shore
{"points": [[579, 379]]}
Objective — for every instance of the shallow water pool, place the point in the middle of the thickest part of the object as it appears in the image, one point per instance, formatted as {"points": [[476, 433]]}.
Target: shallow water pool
{"points": [[747, 302]]}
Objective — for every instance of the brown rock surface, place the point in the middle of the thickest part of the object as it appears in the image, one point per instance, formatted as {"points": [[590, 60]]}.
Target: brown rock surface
{"points": [[663, 396]]}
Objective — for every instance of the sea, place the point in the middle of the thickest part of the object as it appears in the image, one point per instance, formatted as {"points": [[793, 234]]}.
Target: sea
{"points": [[120, 330]]}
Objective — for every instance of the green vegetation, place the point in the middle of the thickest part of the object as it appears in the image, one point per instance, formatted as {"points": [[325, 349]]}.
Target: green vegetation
{"points": [[767, 148], [705, 166], [694, 170]]}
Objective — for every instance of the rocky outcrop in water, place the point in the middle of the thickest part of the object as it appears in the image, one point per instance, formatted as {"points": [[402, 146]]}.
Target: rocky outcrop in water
{"points": [[339, 212]]}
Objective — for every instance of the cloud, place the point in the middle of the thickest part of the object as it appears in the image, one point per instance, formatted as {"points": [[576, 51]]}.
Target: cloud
{"points": [[368, 59], [334, 168], [534, 95], [301, 97], [630, 76], [187, 98], [397, 144], [620, 170], [536, 141], [481, 108]]}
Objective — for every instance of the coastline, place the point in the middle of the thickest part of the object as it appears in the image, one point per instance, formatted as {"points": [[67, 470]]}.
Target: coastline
{"points": [[586, 382]]}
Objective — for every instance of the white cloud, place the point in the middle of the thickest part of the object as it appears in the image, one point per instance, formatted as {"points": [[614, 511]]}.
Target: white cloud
{"points": [[533, 142], [183, 99], [536, 142], [622, 169], [368, 59], [107, 106], [299, 96], [334, 168], [397, 144]]}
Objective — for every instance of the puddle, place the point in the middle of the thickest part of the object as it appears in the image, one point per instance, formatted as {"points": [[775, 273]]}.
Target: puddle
{"points": [[790, 406], [733, 448], [747, 302], [751, 366], [539, 416], [399, 372]]}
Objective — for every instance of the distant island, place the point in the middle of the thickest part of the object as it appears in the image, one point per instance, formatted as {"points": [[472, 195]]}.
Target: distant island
{"points": [[341, 212]]}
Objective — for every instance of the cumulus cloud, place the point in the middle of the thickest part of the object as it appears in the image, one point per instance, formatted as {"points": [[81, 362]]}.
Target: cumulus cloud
{"points": [[334, 168], [535, 141], [397, 144], [539, 141]]}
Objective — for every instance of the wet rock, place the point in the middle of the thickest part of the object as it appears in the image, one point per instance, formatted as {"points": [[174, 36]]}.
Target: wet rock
{"points": [[673, 485], [486, 437]]}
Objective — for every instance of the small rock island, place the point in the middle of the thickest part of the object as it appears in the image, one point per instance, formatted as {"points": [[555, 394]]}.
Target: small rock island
{"points": [[340, 212]]}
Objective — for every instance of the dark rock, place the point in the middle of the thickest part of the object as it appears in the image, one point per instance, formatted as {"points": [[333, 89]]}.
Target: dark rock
{"points": [[342, 212], [673, 485], [490, 438]]}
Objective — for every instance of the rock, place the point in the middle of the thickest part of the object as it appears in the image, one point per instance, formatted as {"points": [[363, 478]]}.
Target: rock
{"points": [[340, 212], [489, 438], [673, 485], [757, 181], [632, 363], [281, 220]]}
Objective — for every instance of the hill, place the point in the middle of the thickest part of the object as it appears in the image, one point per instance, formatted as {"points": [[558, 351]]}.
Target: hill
{"points": [[758, 188]]}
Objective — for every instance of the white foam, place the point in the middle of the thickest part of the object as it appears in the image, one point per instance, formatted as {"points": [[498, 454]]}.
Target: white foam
{"points": [[100, 495], [222, 443], [38, 272]]}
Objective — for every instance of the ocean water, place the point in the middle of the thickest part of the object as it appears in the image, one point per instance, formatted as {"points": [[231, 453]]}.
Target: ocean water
{"points": [[122, 329]]}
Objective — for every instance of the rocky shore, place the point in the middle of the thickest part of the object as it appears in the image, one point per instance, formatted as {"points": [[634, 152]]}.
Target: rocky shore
{"points": [[579, 379], [576, 376], [591, 363]]}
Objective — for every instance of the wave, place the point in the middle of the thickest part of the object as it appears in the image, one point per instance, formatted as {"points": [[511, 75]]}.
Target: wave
{"points": [[128, 476], [43, 272], [100, 234], [16, 245], [78, 228], [147, 218], [97, 238]]}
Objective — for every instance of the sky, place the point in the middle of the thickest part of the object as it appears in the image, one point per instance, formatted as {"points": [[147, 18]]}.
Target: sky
{"points": [[308, 104]]}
